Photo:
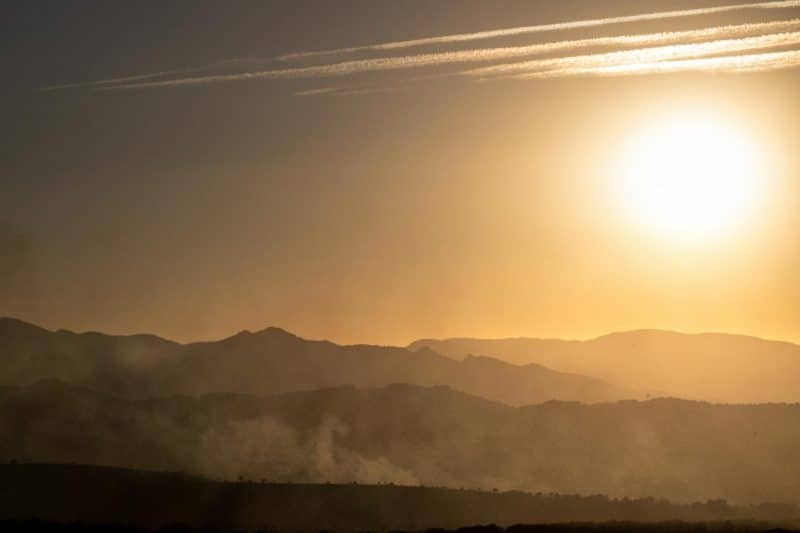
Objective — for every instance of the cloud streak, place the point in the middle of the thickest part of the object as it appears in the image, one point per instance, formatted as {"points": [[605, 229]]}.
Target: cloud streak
{"points": [[149, 76], [543, 28], [730, 64], [119, 81], [641, 55], [468, 56], [531, 60], [344, 91]]}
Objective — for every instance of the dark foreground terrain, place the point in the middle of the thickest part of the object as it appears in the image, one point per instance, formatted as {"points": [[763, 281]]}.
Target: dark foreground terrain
{"points": [[36, 526], [673, 449], [38, 497]]}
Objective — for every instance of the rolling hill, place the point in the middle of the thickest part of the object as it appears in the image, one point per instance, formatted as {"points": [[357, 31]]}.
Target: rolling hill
{"points": [[404, 434]]}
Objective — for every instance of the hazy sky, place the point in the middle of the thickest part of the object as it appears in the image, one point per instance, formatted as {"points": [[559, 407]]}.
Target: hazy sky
{"points": [[360, 197]]}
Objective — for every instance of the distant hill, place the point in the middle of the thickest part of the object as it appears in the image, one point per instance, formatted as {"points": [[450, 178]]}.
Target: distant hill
{"points": [[93, 495], [266, 362], [712, 367], [403, 434], [124, 364]]}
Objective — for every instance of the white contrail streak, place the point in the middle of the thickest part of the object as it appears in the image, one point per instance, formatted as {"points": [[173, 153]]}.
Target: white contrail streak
{"points": [[343, 91], [477, 55], [317, 92], [145, 77], [542, 28], [640, 56], [731, 64], [763, 62], [113, 81]]}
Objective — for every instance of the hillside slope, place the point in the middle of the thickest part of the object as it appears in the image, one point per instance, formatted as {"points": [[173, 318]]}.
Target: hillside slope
{"points": [[405, 434]]}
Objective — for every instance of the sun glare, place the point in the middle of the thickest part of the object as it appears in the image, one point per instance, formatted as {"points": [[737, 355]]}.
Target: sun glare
{"points": [[692, 177]]}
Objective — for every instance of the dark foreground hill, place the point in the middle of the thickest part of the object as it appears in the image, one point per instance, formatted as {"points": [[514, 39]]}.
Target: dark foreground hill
{"points": [[64, 493], [711, 367], [269, 361], [746, 526], [681, 450]]}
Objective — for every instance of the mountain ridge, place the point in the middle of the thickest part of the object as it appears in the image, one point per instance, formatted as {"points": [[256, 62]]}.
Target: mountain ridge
{"points": [[717, 367], [270, 360]]}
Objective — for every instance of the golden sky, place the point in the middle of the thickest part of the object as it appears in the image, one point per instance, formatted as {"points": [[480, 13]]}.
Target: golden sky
{"points": [[417, 178]]}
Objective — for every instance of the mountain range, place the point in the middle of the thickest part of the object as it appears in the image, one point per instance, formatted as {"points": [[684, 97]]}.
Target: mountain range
{"points": [[267, 362], [520, 371], [713, 367], [272, 406]]}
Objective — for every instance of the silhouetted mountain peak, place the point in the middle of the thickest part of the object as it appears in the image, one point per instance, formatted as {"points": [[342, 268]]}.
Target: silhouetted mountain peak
{"points": [[665, 335], [276, 332], [638, 334], [272, 333]]}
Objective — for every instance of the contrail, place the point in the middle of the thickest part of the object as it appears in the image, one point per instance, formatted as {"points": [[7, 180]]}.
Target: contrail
{"points": [[639, 56], [343, 91], [113, 81], [732, 64], [476, 55], [560, 26], [317, 92], [148, 76]]}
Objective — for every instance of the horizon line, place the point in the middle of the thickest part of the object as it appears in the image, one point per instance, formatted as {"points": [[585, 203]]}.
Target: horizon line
{"points": [[409, 344]]}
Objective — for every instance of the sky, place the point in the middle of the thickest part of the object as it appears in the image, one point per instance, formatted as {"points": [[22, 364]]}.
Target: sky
{"points": [[379, 171]]}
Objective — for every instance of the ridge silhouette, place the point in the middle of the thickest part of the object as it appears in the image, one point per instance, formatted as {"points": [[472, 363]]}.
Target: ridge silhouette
{"points": [[269, 361], [710, 366]]}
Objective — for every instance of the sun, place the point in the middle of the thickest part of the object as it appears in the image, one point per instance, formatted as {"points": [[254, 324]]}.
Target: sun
{"points": [[691, 177]]}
